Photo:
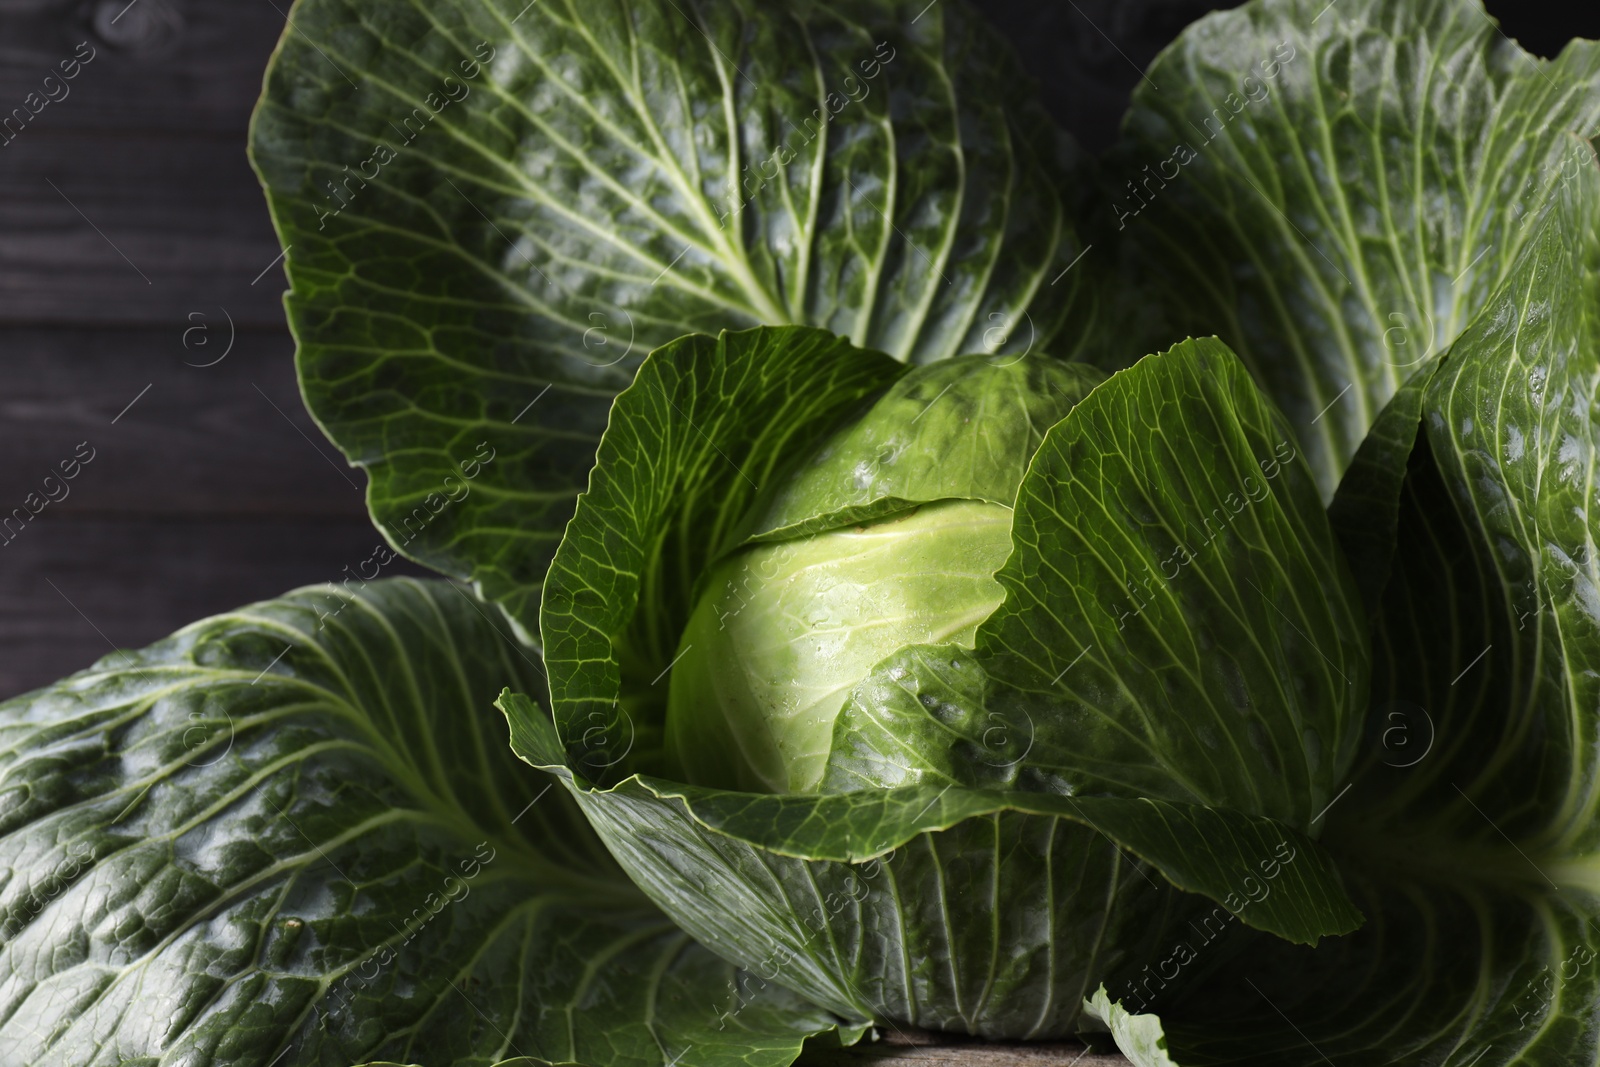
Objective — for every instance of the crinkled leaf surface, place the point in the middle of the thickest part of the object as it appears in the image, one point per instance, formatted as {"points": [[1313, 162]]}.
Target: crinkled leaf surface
{"points": [[293, 834], [1469, 834], [955, 908], [864, 825], [1178, 620], [493, 209], [1335, 189], [995, 910]]}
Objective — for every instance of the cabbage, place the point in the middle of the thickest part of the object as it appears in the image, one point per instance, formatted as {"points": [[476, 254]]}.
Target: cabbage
{"points": [[1229, 687]]}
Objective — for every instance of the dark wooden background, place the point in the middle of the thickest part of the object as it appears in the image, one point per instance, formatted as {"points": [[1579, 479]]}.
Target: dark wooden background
{"points": [[132, 230]]}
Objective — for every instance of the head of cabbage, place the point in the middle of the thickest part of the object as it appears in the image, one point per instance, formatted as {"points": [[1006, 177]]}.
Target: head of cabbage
{"points": [[933, 694], [888, 537]]}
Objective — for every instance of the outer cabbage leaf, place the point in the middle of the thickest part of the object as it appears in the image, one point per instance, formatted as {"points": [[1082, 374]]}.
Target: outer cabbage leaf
{"points": [[483, 202], [1469, 834], [968, 910], [709, 425], [293, 834], [1336, 188], [789, 883]]}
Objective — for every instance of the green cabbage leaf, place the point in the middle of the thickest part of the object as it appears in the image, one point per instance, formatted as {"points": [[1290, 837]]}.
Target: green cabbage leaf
{"points": [[1335, 189], [294, 833], [1469, 835], [493, 209]]}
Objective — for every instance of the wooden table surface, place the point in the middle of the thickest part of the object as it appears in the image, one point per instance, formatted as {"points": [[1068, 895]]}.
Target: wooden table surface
{"points": [[141, 325]]}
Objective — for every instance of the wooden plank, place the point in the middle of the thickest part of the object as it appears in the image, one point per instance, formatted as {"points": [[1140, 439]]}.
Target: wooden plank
{"points": [[74, 589], [229, 438], [156, 66], [98, 229]]}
